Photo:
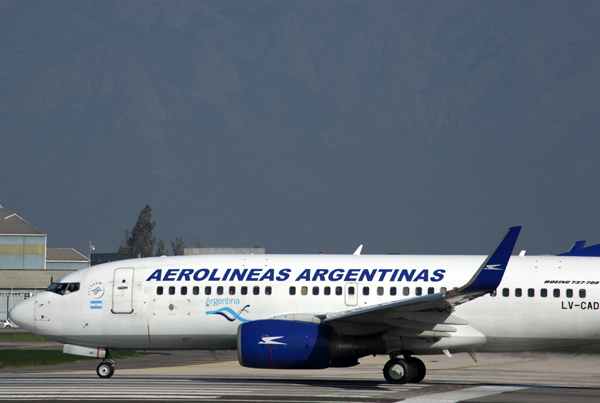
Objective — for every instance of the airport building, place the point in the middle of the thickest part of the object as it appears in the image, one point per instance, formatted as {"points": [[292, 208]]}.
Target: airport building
{"points": [[27, 265]]}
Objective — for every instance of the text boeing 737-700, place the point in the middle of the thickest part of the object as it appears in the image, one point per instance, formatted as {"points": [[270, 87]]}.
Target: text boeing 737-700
{"points": [[319, 311]]}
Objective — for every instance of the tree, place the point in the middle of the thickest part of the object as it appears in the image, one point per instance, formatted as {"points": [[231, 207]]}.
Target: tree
{"points": [[161, 248], [177, 246], [141, 240]]}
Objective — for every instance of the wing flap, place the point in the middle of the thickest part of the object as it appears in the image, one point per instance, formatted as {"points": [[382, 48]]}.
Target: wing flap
{"points": [[419, 326]]}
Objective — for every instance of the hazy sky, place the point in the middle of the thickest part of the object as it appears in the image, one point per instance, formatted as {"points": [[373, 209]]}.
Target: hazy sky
{"points": [[303, 127]]}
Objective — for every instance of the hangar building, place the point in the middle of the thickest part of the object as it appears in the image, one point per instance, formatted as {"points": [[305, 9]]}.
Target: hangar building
{"points": [[27, 266]]}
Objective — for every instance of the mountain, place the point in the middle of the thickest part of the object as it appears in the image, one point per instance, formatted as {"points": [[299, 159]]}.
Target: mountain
{"points": [[303, 126]]}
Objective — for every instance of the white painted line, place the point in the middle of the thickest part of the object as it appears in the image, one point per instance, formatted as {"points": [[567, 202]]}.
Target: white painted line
{"points": [[463, 394]]}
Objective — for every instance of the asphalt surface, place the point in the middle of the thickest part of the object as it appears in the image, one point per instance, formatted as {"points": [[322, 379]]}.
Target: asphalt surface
{"points": [[196, 376]]}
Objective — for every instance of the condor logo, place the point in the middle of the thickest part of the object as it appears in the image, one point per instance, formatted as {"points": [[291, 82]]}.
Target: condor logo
{"points": [[271, 340]]}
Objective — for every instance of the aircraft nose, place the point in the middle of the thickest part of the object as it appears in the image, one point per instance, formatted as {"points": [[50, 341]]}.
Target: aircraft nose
{"points": [[22, 314]]}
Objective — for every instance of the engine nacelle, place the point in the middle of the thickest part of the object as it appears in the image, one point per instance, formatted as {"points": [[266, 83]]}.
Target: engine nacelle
{"points": [[283, 344]]}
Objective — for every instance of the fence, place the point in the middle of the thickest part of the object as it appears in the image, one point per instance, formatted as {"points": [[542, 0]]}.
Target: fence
{"points": [[10, 299]]}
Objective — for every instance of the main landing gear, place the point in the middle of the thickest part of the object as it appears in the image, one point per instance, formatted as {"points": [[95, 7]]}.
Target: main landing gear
{"points": [[106, 368], [404, 370]]}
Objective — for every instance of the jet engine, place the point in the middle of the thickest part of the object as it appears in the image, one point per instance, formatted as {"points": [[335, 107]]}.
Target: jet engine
{"points": [[285, 344]]}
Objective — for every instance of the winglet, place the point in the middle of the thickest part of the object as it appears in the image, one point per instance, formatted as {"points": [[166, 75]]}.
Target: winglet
{"points": [[489, 275]]}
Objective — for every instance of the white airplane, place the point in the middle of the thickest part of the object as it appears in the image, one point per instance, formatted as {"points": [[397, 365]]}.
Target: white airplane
{"points": [[319, 311]]}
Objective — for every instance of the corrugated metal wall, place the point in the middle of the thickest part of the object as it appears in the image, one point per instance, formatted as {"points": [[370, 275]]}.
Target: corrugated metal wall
{"points": [[23, 252]]}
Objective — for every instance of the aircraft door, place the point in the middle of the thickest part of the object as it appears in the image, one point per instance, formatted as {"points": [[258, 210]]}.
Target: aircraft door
{"points": [[123, 290], [351, 294]]}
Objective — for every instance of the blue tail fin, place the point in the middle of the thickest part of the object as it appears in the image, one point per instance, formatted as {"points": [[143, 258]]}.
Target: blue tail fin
{"points": [[579, 250]]}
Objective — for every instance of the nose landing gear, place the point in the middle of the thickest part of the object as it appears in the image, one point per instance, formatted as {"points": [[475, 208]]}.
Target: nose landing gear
{"points": [[106, 368]]}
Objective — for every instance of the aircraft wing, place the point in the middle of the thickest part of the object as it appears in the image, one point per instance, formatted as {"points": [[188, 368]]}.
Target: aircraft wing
{"points": [[485, 280]]}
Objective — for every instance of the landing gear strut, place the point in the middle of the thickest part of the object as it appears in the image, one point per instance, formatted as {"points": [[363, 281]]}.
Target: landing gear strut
{"points": [[404, 370], [106, 368]]}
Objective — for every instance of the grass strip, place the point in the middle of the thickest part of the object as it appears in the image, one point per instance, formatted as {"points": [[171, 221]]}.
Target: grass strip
{"points": [[592, 349], [20, 336], [30, 358]]}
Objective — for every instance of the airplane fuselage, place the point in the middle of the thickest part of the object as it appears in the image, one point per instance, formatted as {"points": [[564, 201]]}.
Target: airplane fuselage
{"points": [[198, 302]]}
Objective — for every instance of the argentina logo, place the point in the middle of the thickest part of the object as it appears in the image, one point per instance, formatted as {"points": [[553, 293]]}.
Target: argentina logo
{"points": [[230, 314]]}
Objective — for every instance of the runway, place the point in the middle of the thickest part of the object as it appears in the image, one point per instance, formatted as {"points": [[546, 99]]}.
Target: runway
{"points": [[151, 388], [195, 376], [148, 388]]}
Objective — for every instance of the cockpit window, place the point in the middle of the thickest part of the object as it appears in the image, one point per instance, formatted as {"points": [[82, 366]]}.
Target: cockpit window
{"points": [[52, 287], [73, 287], [63, 288]]}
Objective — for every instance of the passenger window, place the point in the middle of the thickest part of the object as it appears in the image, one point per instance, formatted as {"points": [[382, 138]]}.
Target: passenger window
{"points": [[244, 290], [392, 291], [531, 292], [430, 290], [418, 291], [184, 290], [159, 290], [494, 293], [207, 290], [505, 292], [268, 290], [365, 290], [256, 290], [327, 291], [406, 291], [518, 292], [556, 293], [582, 293], [231, 290], [350, 290], [220, 290], [379, 290], [304, 290], [338, 291], [292, 290], [444, 289], [196, 290], [543, 293], [569, 293], [315, 290], [172, 290]]}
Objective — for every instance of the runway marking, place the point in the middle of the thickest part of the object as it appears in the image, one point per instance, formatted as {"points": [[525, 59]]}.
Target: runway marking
{"points": [[169, 389], [464, 394]]}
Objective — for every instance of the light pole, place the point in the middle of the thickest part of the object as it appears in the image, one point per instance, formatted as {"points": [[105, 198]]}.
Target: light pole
{"points": [[91, 249]]}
